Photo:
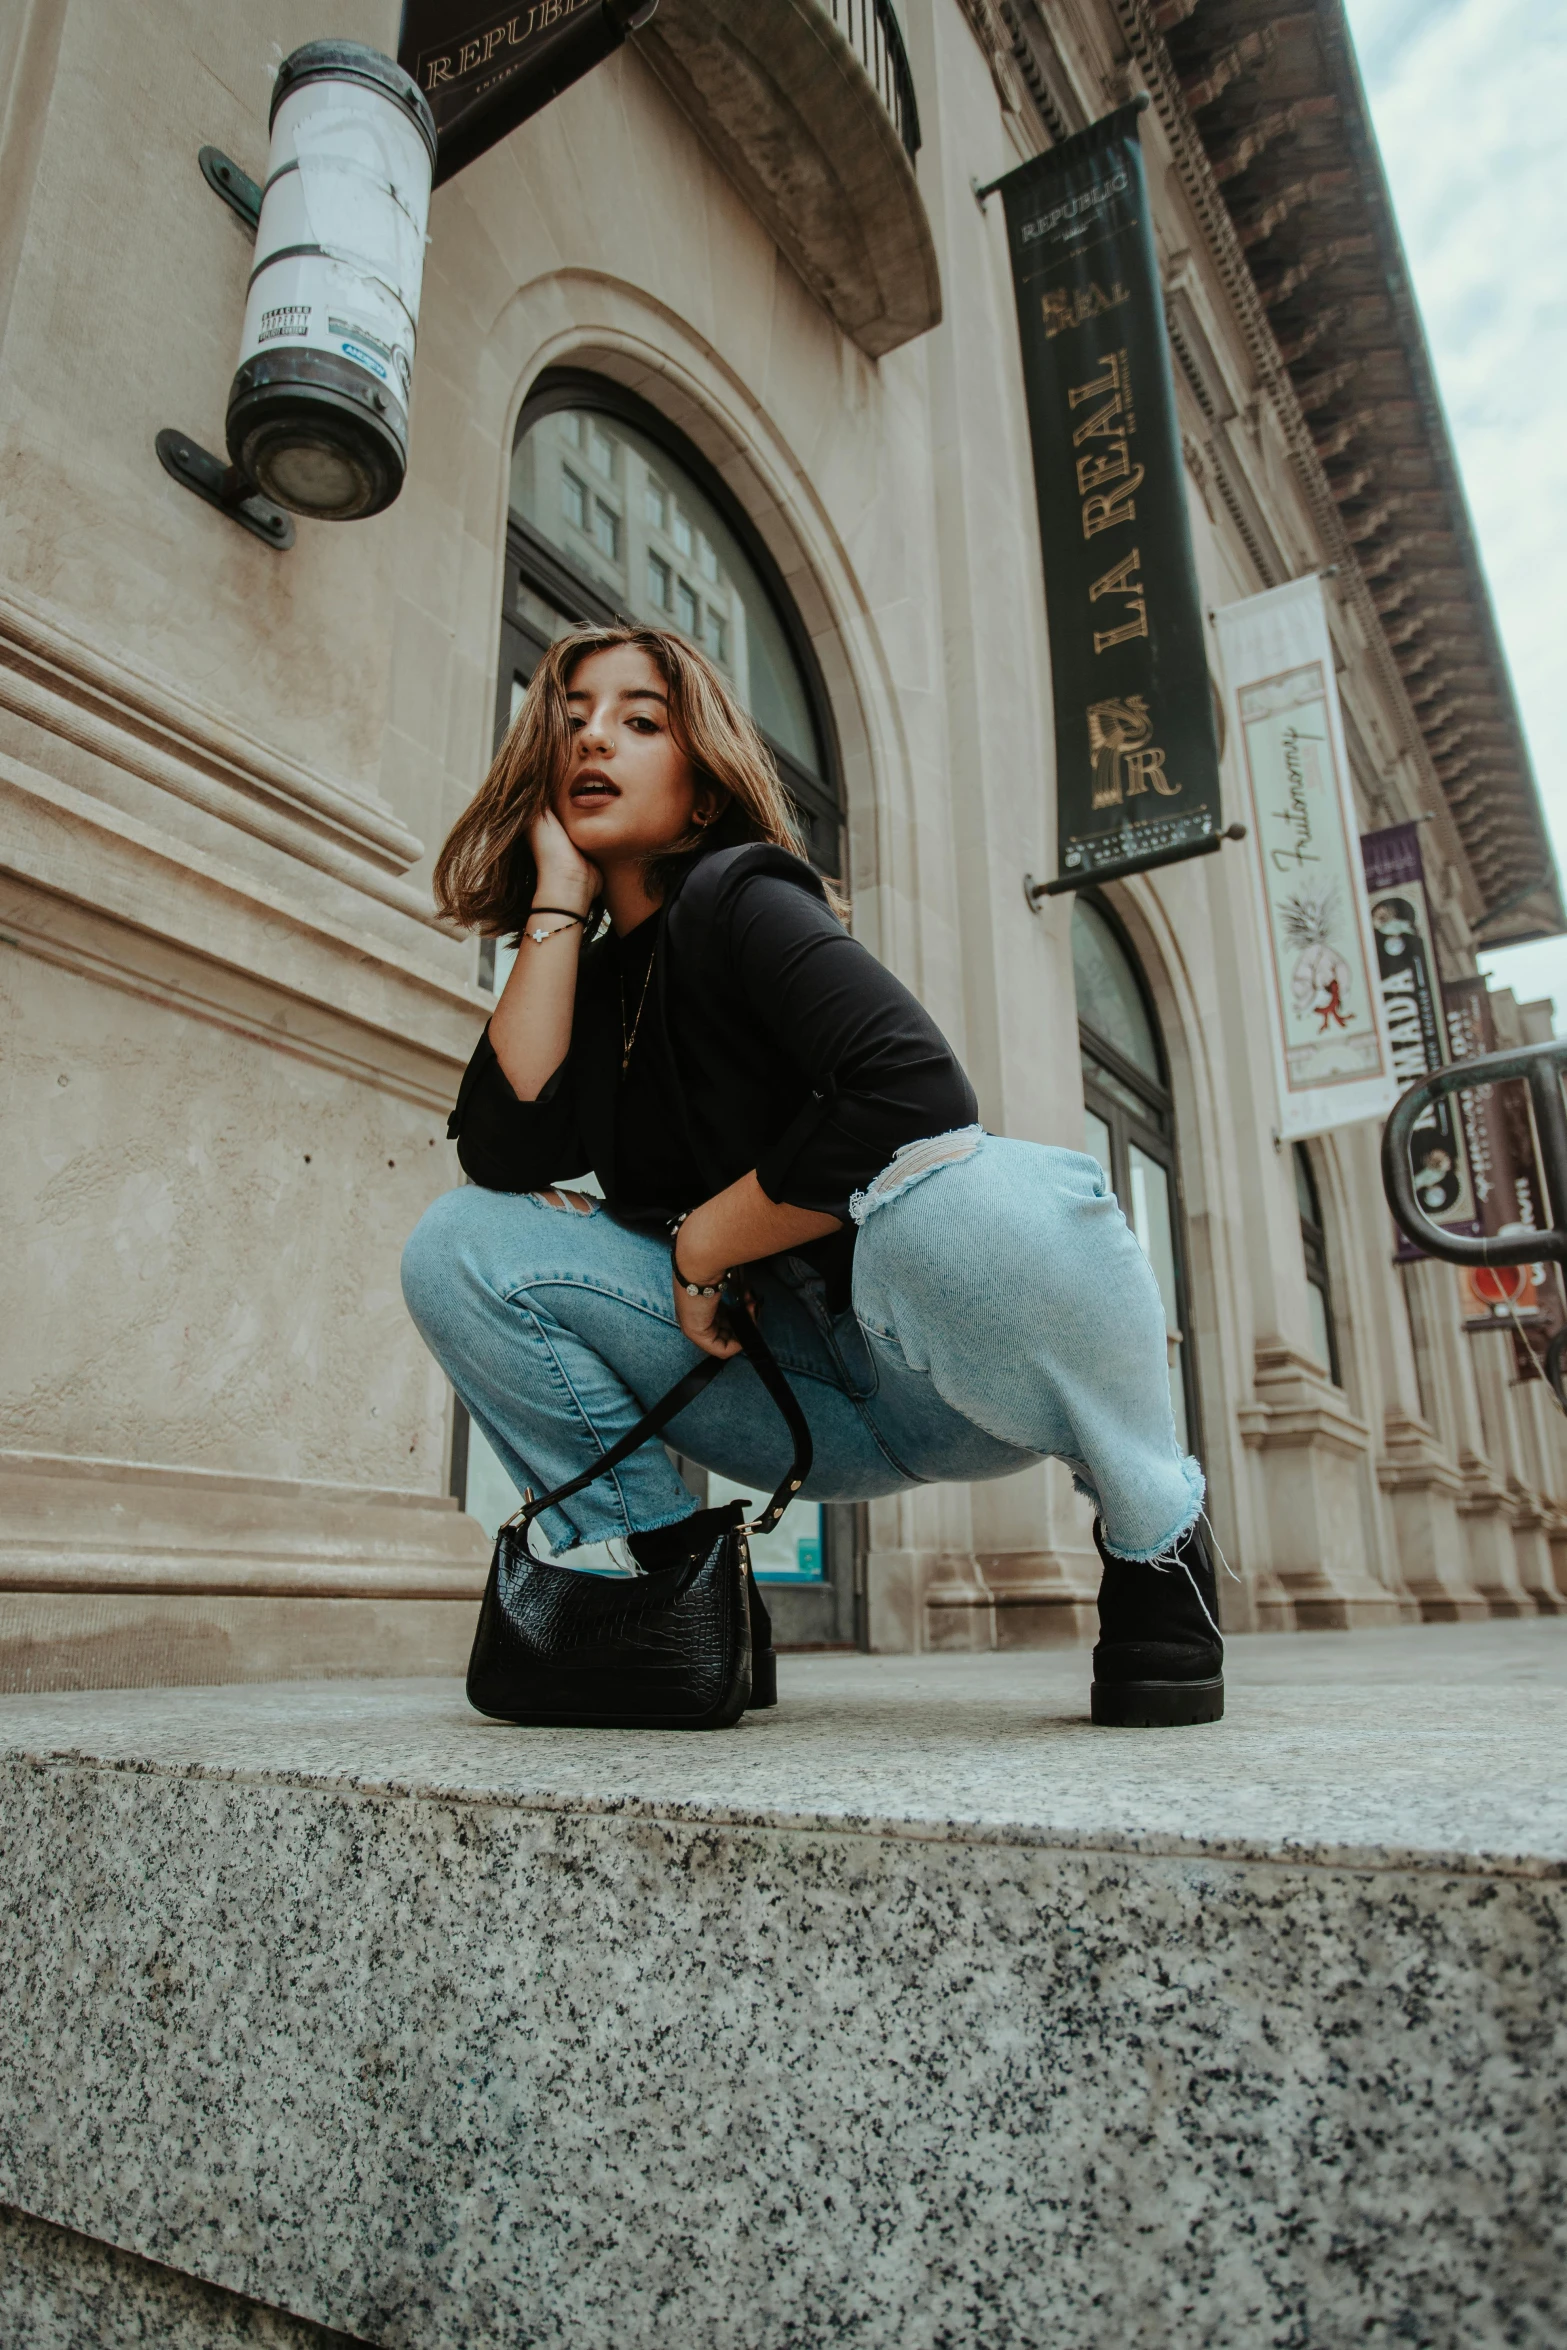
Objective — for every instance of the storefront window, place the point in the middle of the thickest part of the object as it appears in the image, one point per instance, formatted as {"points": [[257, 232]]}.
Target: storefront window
{"points": [[614, 517], [664, 525], [1313, 1247], [1129, 1122]]}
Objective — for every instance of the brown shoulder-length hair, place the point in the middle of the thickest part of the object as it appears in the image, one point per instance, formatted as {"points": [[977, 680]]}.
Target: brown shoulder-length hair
{"points": [[484, 876]]}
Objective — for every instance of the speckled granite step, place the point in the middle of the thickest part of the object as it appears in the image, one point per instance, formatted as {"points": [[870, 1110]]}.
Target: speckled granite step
{"points": [[918, 2013]]}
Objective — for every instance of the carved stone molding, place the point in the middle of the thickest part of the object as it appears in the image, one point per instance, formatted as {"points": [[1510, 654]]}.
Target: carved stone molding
{"points": [[117, 1575], [959, 1605], [1532, 1541], [52, 681], [1314, 1451], [1297, 1404], [1486, 1509], [1041, 1598], [1153, 62], [1413, 1459], [72, 1524], [1425, 1489], [996, 41], [86, 886]]}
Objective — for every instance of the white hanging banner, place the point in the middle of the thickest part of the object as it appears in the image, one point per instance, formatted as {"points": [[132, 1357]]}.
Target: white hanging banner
{"points": [[1333, 1062]]}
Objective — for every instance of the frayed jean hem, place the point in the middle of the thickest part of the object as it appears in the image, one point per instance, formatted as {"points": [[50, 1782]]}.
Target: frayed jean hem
{"points": [[1160, 1552], [577, 1539]]}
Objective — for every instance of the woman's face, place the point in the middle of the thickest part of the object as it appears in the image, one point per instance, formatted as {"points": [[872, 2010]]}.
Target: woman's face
{"points": [[629, 791]]}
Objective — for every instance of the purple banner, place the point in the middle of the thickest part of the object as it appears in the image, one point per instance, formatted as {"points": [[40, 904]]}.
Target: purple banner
{"points": [[1411, 993]]}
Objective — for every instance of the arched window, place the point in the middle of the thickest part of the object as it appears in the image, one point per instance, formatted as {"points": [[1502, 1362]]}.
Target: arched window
{"points": [[1129, 1122], [615, 516], [1313, 1247]]}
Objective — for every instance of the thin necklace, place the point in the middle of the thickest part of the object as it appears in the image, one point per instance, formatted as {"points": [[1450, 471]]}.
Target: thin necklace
{"points": [[628, 1037]]}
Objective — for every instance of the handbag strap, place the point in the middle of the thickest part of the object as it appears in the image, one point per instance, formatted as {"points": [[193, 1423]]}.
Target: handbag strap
{"points": [[668, 1407]]}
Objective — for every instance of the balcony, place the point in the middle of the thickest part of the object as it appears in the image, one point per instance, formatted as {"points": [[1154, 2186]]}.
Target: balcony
{"points": [[809, 106]]}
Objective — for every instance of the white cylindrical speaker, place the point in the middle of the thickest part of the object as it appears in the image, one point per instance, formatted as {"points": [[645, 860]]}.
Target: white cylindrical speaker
{"points": [[318, 412]]}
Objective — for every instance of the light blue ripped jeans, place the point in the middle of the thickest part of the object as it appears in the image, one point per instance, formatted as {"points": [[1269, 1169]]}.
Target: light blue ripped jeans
{"points": [[1002, 1311]]}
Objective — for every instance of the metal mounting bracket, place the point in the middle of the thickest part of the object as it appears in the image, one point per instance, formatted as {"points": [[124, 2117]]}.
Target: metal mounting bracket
{"points": [[223, 486], [1036, 892], [238, 190]]}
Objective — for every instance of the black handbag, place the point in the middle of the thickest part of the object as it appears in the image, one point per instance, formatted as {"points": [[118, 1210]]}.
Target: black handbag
{"points": [[686, 1647]]}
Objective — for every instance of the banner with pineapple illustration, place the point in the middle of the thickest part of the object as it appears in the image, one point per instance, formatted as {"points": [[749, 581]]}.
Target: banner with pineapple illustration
{"points": [[1333, 1061]]}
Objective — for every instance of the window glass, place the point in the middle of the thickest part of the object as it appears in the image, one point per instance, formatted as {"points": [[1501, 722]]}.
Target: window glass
{"points": [[489, 1494], [792, 1552], [1097, 1074], [1150, 1212], [662, 514], [1109, 1000], [1321, 1329], [1313, 1249], [1096, 1141]]}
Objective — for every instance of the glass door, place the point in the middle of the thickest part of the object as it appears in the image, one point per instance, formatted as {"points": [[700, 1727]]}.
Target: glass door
{"points": [[1129, 1126]]}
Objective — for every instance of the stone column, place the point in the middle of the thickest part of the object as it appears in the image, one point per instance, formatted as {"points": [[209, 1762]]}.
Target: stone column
{"points": [[1034, 1545], [1313, 1454]]}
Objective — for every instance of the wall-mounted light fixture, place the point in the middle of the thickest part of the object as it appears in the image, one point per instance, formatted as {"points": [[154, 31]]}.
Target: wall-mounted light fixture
{"points": [[318, 410]]}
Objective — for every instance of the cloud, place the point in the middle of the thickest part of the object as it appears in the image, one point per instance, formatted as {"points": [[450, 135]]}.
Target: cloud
{"points": [[1462, 96]]}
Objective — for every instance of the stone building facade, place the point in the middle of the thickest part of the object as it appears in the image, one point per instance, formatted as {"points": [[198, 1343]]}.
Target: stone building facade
{"points": [[747, 255]]}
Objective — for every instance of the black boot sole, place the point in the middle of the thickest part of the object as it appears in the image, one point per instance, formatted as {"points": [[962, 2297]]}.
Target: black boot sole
{"points": [[1156, 1705], [764, 1680]]}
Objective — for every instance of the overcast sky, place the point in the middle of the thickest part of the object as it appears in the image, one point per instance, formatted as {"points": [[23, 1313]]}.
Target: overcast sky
{"points": [[1466, 96]]}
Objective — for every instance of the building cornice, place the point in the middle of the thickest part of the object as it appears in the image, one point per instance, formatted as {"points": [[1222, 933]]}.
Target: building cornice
{"points": [[1514, 888]]}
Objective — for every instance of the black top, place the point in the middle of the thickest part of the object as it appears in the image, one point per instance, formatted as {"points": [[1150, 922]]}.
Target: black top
{"points": [[655, 1172], [768, 1038]]}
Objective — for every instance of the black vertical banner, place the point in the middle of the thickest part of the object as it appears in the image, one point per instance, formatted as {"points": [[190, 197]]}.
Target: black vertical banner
{"points": [[1137, 763], [485, 69]]}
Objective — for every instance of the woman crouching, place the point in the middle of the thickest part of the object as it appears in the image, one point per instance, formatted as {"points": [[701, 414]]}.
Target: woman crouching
{"points": [[753, 1090]]}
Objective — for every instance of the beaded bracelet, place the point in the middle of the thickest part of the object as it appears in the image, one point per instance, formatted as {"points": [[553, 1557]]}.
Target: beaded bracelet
{"points": [[691, 1288], [539, 936]]}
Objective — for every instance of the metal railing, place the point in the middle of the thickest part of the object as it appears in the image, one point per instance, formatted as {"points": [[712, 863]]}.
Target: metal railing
{"points": [[1541, 1067], [872, 32]]}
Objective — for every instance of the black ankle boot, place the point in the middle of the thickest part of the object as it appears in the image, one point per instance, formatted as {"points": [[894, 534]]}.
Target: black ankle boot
{"points": [[666, 1546], [1159, 1660]]}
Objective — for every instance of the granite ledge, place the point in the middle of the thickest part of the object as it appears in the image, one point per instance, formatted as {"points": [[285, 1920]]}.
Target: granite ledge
{"points": [[1434, 1747], [528, 2059]]}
